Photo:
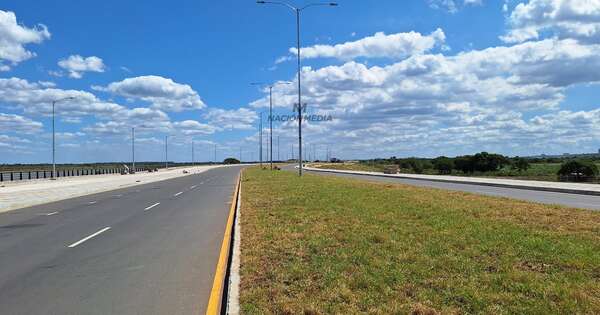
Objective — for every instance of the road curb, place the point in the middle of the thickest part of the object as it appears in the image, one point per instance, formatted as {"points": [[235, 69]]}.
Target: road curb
{"points": [[466, 182], [233, 292], [216, 303]]}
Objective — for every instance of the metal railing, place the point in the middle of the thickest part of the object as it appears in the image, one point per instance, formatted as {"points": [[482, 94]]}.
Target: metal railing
{"points": [[41, 174]]}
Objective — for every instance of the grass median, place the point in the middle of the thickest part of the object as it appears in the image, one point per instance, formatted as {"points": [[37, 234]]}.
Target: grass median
{"points": [[327, 245]]}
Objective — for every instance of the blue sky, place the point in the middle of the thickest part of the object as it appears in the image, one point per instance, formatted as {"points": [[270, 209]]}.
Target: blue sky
{"points": [[442, 77]]}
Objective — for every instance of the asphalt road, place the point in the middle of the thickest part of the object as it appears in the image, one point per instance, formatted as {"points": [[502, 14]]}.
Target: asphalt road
{"points": [[149, 249], [570, 200]]}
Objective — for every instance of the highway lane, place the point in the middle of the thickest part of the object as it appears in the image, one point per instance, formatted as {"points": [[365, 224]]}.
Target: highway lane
{"points": [[554, 198], [149, 249]]}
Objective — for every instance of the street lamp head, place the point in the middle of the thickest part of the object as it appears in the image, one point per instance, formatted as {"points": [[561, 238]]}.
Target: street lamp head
{"points": [[260, 2], [333, 4]]}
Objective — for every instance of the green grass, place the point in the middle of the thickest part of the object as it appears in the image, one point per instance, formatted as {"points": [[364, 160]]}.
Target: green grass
{"points": [[327, 245], [537, 171], [366, 167]]}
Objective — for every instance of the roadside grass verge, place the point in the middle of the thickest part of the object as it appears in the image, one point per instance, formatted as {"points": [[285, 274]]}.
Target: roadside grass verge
{"points": [[328, 245]]}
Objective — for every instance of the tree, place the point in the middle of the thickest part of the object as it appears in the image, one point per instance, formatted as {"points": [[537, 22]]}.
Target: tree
{"points": [[578, 170], [443, 165], [486, 162], [464, 164], [231, 161], [520, 164]]}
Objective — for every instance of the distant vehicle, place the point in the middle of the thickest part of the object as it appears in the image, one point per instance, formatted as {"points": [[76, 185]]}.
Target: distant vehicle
{"points": [[185, 172]]}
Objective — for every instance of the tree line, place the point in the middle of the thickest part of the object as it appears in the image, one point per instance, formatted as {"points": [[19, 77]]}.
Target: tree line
{"points": [[484, 162]]}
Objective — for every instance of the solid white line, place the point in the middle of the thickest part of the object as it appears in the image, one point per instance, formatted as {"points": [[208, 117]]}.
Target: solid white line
{"points": [[152, 206], [52, 213], [193, 187], [87, 238], [177, 194]]}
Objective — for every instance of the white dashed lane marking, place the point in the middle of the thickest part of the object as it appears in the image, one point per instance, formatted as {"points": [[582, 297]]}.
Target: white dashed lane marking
{"points": [[89, 237]]}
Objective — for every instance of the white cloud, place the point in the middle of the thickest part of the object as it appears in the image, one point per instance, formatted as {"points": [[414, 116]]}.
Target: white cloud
{"points": [[14, 37], [452, 6], [242, 118], [15, 144], [380, 45], [447, 5], [76, 65], [192, 127], [36, 99], [19, 124], [577, 19], [431, 104], [161, 93]]}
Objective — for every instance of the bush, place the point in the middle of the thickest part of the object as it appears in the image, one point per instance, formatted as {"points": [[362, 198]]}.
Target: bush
{"points": [[415, 165], [578, 170], [520, 164]]}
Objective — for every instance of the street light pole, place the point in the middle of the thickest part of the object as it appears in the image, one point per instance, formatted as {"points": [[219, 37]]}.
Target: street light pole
{"points": [[260, 154], [271, 125], [299, 94], [270, 116], [53, 144], [166, 152], [54, 134], [133, 149], [297, 11]]}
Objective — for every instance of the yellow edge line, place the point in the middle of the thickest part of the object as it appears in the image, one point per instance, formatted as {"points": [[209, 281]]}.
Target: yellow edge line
{"points": [[214, 301]]}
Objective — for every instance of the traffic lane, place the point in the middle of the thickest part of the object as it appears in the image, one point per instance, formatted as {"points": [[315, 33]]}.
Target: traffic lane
{"points": [[28, 244], [546, 197], [9, 217], [32, 223], [157, 261]]}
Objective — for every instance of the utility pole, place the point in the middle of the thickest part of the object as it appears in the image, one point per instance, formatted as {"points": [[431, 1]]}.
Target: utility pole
{"points": [[240, 154], [215, 153], [278, 159], [193, 160]]}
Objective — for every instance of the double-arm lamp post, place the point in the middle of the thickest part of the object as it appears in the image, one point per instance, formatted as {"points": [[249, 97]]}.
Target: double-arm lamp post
{"points": [[297, 11]]}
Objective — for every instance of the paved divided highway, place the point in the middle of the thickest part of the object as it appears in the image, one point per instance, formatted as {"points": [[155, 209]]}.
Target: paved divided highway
{"points": [[148, 249], [570, 200]]}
